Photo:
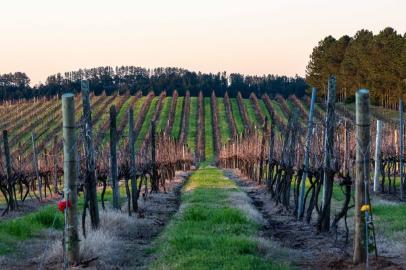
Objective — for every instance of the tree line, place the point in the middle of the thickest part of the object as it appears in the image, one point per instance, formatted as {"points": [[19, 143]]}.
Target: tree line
{"points": [[130, 79], [376, 62]]}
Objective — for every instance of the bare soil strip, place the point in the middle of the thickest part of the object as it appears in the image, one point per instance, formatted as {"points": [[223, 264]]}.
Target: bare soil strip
{"points": [[314, 251]]}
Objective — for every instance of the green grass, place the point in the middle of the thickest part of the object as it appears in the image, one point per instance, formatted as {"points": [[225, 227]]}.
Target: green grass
{"points": [[208, 129], [279, 111], [177, 123], [119, 113], [122, 114], [21, 228], [223, 122], [264, 110], [390, 220], [210, 232], [237, 116], [163, 117], [105, 118], [251, 112], [136, 109], [147, 122], [191, 136], [28, 226]]}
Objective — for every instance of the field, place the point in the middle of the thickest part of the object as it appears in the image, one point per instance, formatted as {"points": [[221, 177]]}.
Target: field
{"points": [[221, 201], [47, 115]]}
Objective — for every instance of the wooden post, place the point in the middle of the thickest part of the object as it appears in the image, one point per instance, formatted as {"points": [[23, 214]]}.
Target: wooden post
{"points": [[12, 203], [154, 180], [307, 154], [262, 150], [35, 164], [401, 146], [133, 168], [346, 146], [55, 163], [361, 172], [328, 179], [70, 177], [271, 146], [90, 180], [378, 153], [113, 158]]}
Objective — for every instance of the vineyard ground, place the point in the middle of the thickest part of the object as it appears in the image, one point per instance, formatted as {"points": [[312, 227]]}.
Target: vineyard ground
{"points": [[122, 241], [278, 236], [328, 251], [217, 228], [281, 237]]}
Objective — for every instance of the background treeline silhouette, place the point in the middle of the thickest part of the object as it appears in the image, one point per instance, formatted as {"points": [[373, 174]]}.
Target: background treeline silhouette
{"points": [[130, 79], [376, 62]]}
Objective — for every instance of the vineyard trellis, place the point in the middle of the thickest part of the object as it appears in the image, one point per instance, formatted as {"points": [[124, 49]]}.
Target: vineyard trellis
{"points": [[21, 178], [279, 158], [272, 153]]}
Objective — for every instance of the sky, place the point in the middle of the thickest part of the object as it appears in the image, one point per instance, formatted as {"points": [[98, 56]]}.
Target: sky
{"points": [[44, 37]]}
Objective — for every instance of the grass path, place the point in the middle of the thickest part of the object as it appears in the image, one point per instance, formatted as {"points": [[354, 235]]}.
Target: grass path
{"points": [[251, 112], [236, 115], [216, 228], [191, 136], [177, 123], [223, 123], [208, 129]]}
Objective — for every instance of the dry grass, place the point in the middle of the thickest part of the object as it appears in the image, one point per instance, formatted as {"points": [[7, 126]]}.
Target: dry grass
{"points": [[98, 243], [241, 201]]}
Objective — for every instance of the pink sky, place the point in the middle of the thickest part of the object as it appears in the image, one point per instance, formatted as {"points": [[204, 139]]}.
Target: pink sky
{"points": [[254, 37]]}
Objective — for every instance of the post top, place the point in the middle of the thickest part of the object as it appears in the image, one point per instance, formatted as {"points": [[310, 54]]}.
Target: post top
{"points": [[68, 95], [363, 91]]}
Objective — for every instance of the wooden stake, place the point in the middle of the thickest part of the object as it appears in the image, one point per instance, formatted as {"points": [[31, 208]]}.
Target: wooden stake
{"points": [[55, 163], [90, 180], [133, 169], [307, 154], [35, 164], [154, 179], [113, 158], [328, 179], [12, 203], [70, 177], [361, 173], [378, 153]]}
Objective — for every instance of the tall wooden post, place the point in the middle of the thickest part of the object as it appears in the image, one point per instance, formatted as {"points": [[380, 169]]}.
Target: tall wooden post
{"points": [[133, 169], [12, 203], [90, 180], [307, 154], [35, 164], [113, 158], [378, 153], [70, 177], [401, 147], [361, 173], [154, 180], [328, 179]]}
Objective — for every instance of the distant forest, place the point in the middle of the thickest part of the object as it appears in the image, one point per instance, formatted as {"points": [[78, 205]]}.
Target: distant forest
{"points": [[376, 62], [130, 79]]}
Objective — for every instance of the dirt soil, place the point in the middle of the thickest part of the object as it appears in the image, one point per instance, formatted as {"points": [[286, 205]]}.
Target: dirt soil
{"points": [[134, 248], [312, 250]]}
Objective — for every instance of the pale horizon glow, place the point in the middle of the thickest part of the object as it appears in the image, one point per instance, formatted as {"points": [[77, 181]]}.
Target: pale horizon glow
{"points": [[252, 37]]}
